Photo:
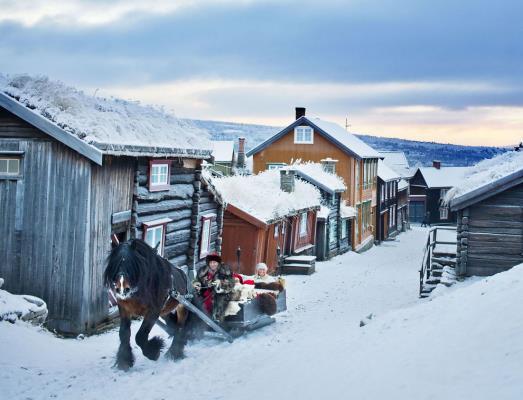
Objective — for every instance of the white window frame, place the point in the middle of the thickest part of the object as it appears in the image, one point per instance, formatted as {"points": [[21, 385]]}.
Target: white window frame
{"points": [[344, 230], [443, 193], [443, 213], [205, 240], [273, 166], [303, 224], [332, 232], [163, 182], [276, 231], [302, 130]]}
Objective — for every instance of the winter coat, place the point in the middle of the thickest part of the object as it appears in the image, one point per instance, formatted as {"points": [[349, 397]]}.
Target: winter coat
{"points": [[215, 301], [265, 279], [223, 274]]}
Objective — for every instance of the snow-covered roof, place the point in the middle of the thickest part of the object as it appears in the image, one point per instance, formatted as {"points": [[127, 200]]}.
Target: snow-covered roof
{"points": [[223, 150], [403, 184], [504, 167], [315, 174], [335, 133], [111, 125], [385, 173], [444, 177], [347, 139], [347, 211], [398, 162], [260, 195]]}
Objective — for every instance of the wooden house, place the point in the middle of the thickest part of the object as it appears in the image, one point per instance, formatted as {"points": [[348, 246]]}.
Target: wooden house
{"points": [[334, 218], [387, 199], [78, 173], [312, 139], [428, 188], [267, 216], [397, 161], [490, 216]]}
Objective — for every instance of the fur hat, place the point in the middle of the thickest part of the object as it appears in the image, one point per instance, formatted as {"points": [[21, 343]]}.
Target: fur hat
{"points": [[261, 266], [213, 257]]}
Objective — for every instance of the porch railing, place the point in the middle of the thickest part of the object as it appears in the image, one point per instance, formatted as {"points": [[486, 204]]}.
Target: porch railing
{"points": [[430, 245]]}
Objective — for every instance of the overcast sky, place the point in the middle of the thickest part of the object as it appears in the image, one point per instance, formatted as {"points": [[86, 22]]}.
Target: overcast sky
{"points": [[447, 71]]}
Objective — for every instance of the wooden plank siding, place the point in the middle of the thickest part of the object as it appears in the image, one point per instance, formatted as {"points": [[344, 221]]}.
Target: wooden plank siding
{"points": [[491, 234], [49, 249], [284, 150], [111, 192]]}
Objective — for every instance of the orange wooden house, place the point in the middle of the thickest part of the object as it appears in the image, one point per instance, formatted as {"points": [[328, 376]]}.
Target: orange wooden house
{"points": [[263, 213], [312, 139]]}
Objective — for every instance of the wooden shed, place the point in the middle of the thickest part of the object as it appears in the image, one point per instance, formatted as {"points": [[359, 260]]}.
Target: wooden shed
{"points": [[490, 218], [260, 218], [77, 173]]}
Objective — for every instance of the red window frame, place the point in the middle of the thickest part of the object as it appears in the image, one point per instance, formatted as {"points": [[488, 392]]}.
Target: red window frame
{"points": [[158, 188], [156, 224]]}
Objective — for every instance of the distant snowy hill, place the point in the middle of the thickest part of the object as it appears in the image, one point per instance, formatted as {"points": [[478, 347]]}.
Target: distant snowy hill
{"points": [[418, 153]]}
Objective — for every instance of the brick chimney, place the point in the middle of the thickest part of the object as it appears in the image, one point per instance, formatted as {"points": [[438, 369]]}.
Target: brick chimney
{"points": [[329, 165], [241, 152], [287, 180], [436, 164], [300, 112]]}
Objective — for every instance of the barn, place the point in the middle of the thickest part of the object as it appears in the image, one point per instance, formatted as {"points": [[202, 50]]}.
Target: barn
{"points": [[489, 207], [78, 173]]}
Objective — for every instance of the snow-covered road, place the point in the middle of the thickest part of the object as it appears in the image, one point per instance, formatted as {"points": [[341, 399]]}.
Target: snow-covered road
{"points": [[315, 350]]}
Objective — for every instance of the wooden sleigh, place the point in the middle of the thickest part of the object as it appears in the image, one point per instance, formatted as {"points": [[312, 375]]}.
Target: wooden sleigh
{"points": [[248, 318]]}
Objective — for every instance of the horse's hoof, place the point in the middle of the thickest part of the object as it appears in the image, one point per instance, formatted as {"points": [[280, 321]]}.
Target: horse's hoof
{"points": [[124, 359], [175, 355], [154, 347]]}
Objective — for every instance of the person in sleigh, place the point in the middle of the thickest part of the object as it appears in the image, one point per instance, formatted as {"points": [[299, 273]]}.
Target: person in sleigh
{"points": [[214, 284]]}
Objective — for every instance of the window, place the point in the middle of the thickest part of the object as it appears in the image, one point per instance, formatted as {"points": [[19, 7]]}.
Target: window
{"points": [[332, 232], [303, 135], [10, 165], [276, 231], [443, 193], [343, 229], [271, 166], [382, 193], [205, 242], [159, 175], [443, 213], [303, 224], [154, 234]]}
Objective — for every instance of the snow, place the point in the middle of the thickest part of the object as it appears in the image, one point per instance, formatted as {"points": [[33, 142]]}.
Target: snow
{"points": [[353, 143], [444, 177], [398, 162], [385, 173], [103, 122], [324, 212], [25, 307], [347, 211], [223, 150], [260, 195], [456, 346], [316, 172], [487, 171], [403, 184]]}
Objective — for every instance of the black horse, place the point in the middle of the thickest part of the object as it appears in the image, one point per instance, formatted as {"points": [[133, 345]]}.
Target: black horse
{"points": [[142, 281]]}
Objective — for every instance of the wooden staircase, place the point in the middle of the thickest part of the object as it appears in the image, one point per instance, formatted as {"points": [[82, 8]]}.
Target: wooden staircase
{"points": [[299, 265], [439, 260]]}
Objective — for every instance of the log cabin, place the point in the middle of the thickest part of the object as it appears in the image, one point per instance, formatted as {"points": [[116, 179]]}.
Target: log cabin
{"points": [[78, 173], [335, 217], [489, 208], [269, 217], [313, 139]]}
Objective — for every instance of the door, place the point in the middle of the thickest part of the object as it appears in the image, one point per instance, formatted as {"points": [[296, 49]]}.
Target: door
{"points": [[417, 211]]}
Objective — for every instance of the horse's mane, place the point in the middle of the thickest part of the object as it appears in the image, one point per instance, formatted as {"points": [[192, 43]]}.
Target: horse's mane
{"points": [[145, 269]]}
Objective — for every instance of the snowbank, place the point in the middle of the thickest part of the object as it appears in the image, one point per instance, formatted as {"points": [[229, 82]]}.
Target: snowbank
{"points": [[260, 195], [103, 121], [24, 307], [487, 171]]}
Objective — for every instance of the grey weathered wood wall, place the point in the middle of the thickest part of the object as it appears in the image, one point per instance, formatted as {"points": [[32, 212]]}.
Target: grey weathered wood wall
{"points": [[47, 214], [490, 234]]}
